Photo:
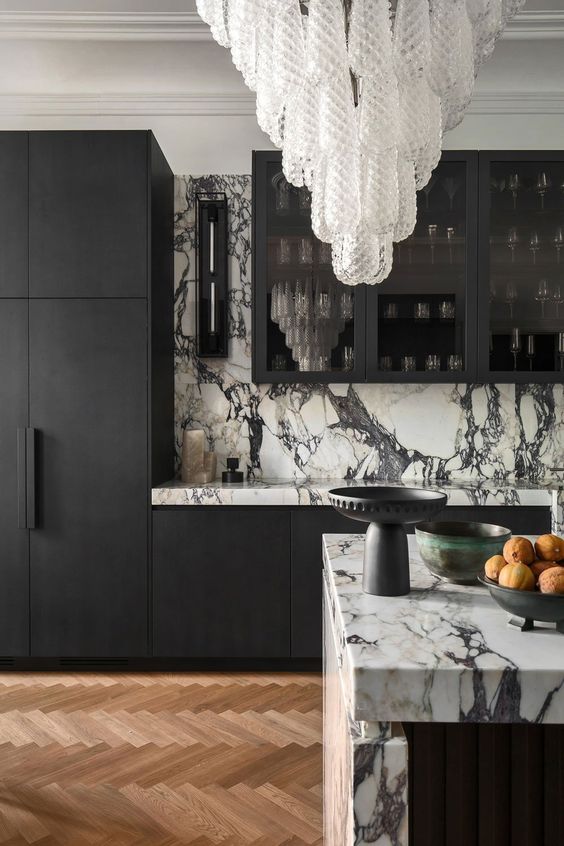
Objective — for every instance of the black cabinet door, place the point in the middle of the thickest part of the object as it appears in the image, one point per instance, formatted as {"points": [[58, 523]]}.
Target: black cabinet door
{"points": [[13, 214], [221, 582], [14, 550], [88, 404], [308, 526], [88, 214]]}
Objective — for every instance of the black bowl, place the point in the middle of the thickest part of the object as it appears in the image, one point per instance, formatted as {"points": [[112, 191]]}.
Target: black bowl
{"points": [[388, 505], [528, 604]]}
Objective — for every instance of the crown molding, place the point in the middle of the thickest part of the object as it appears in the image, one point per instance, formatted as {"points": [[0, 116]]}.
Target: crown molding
{"points": [[188, 26], [225, 104]]}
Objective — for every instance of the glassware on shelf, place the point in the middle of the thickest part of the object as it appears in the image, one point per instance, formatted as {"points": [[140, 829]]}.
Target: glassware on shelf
{"points": [[284, 251], [304, 200], [391, 311], [432, 230], [450, 233], [283, 193], [558, 242], [447, 310], [429, 187], [510, 296], [542, 186], [514, 185], [346, 304], [454, 361], [557, 298], [279, 362], [515, 345], [408, 363], [421, 311], [433, 362], [530, 350], [385, 362], [534, 245], [451, 186], [543, 294], [348, 358], [305, 251], [513, 241]]}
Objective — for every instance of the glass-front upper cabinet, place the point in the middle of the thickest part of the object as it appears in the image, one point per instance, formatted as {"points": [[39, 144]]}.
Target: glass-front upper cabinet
{"points": [[307, 326], [521, 293], [421, 319]]}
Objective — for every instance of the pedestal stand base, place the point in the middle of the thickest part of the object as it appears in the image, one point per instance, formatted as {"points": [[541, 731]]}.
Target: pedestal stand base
{"points": [[386, 560]]}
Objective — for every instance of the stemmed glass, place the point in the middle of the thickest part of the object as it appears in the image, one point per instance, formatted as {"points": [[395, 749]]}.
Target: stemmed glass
{"points": [[558, 242], [450, 238], [515, 345], [530, 350], [543, 294], [514, 184], [557, 298], [429, 187], [534, 245], [451, 186], [542, 186], [512, 242], [432, 230], [510, 296]]}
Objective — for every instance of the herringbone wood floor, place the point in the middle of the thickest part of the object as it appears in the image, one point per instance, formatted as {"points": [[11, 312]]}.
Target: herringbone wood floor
{"points": [[160, 759]]}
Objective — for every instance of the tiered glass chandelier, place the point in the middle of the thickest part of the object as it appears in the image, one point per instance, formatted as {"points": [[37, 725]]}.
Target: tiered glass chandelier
{"points": [[358, 93]]}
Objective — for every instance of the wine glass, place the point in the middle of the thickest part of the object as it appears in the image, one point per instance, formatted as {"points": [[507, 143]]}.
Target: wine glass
{"points": [[542, 186], [515, 345], [534, 245], [450, 233], [530, 350], [558, 242], [514, 185], [543, 294], [451, 186], [510, 296], [432, 231], [429, 187], [557, 298], [512, 242]]}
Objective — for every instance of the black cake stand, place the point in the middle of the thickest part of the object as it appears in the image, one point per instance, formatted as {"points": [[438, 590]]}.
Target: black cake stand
{"points": [[388, 510]]}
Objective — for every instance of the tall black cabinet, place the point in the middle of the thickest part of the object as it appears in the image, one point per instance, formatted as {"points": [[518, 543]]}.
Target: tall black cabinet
{"points": [[85, 273]]}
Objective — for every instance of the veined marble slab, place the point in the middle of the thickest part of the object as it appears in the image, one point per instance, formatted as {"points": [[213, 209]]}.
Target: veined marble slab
{"points": [[315, 492], [444, 653]]}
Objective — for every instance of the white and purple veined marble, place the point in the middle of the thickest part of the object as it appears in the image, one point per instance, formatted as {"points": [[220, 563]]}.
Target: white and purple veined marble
{"points": [[342, 431]]}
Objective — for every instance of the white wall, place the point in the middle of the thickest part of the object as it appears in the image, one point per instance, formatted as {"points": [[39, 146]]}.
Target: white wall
{"points": [[193, 98]]}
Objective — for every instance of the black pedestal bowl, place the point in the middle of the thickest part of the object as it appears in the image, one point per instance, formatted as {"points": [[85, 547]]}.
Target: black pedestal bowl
{"points": [[388, 510]]}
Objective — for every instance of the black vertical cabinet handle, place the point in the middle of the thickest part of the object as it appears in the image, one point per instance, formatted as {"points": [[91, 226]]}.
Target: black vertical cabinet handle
{"points": [[22, 479], [30, 477]]}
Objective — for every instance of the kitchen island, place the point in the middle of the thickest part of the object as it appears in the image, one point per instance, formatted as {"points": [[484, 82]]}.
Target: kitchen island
{"points": [[444, 655]]}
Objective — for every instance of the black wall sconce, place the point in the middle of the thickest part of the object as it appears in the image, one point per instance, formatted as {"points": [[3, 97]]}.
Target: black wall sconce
{"points": [[211, 264]]}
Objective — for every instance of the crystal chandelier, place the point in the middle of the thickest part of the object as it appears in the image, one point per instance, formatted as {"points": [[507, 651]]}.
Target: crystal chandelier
{"points": [[358, 93]]}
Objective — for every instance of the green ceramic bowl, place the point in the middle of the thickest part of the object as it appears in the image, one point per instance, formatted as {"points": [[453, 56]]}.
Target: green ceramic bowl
{"points": [[457, 551]]}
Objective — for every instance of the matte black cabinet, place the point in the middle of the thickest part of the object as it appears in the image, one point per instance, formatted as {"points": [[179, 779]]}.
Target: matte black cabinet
{"points": [[221, 583], [81, 437], [13, 214]]}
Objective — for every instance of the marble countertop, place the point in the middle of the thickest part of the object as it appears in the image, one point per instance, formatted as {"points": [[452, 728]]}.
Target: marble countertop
{"points": [[315, 492], [443, 653]]}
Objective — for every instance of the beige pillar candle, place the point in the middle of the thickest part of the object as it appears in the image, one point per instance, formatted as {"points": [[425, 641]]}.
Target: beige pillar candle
{"points": [[193, 446]]}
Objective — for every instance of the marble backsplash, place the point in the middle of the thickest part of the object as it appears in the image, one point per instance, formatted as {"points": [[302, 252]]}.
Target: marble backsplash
{"points": [[342, 431]]}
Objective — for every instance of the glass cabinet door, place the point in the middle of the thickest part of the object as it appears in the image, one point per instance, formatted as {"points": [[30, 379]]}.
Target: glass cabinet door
{"points": [[421, 319], [307, 326], [521, 327]]}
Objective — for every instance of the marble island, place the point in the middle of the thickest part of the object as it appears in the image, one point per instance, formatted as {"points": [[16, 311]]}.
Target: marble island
{"points": [[444, 653]]}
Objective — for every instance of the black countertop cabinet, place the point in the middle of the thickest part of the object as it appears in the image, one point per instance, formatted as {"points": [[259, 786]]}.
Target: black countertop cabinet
{"points": [[84, 274], [476, 293]]}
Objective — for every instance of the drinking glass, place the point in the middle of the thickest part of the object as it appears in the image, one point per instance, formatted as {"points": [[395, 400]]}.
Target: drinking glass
{"points": [[421, 311], [429, 187], [542, 186], [348, 358], [432, 230], [512, 241], [514, 184], [543, 294], [284, 251], [454, 362], [451, 186], [515, 345], [283, 193], [530, 350], [305, 251], [557, 298], [510, 296], [346, 304], [408, 363], [433, 362], [279, 362], [558, 242], [447, 310], [304, 200], [450, 233], [385, 362], [534, 245], [391, 311]]}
